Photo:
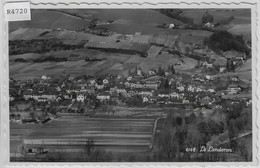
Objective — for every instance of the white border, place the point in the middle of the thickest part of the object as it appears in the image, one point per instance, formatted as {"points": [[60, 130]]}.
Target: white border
{"points": [[37, 4]]}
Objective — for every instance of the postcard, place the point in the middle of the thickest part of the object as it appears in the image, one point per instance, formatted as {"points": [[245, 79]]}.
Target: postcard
{"points": [[113, 83]]}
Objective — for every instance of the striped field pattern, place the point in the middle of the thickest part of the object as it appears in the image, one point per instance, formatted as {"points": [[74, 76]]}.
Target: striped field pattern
{"points": [[111, 134]]}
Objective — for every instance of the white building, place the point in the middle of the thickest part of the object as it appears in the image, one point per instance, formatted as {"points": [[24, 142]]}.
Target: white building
{"points": [[171, 26], [233, 89], [180, 88], [80, 98], [103, 97]]}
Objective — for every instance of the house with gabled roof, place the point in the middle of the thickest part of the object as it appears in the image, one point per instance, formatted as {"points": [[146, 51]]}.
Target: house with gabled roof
{"points": [[222, 68], [174, 95], [50, 95], [151, 85], [121, 89], [180, 88], [145, 99], [207, 64], [104, 96], [65, 95], [99, 86], [152, 72], [139, 72], [199, 88], [27, 94], [105, 81], [191, 88], [233, 89], [234, 79], [179, 62], [146, 93], [80, 97], [185, 101], [42, 99], [163, 93], [211, 90]]}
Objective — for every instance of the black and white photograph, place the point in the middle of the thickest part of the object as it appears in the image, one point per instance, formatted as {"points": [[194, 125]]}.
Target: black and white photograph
{"points": [[131, 85]]}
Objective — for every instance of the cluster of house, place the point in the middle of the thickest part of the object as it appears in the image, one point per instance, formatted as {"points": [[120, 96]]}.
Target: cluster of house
{"points": [[152, 89]]}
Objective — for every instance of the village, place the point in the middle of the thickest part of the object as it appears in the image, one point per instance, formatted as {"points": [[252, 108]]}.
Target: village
{"points": [[86, 93]]}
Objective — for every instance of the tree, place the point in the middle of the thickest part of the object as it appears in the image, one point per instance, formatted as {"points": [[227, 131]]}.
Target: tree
{"points": [[187, 50], [12, 116], [173, 70], [93, 23], [160, 71], [167, 144], [82, 110], [209, 128], [169, 67], [232, 67], [166, 84], [53, 110], [129, 72], [189, 119], [89, 147], [135, 72], [226, 41], [198, 64], [19, 116], [207, 18], [179, 121], [32, 115], [234, 111], [228, 65], [181, 135]]}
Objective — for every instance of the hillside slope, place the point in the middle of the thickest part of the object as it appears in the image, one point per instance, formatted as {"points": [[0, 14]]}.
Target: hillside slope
{"points": [[124, 20]]}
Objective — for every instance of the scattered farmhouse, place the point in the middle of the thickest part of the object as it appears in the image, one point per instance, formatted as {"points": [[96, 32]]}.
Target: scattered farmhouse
{"points": [[233, 89]]}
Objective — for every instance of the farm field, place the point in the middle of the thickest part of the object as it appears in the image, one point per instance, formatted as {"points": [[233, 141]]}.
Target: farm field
{"points": [[244, 73], [124, 22], [241, 24], [244, 29], [241, 15], [17, 133], [245, 76], [133, 112], [164, 60], [114, 63], [70, 133], [44, 19]]}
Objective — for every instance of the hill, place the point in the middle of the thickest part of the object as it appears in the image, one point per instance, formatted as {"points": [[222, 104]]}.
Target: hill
{"points": [[63, 48], [242, 16], [241, 24], [44, 19], [123, 21]]}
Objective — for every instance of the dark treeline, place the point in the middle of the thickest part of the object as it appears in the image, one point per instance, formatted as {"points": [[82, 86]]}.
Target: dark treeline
{"points": [[121, 51], [225, 41], [176, 14], [94, 59], [39, 46], [44, 59], [51, 59]]}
